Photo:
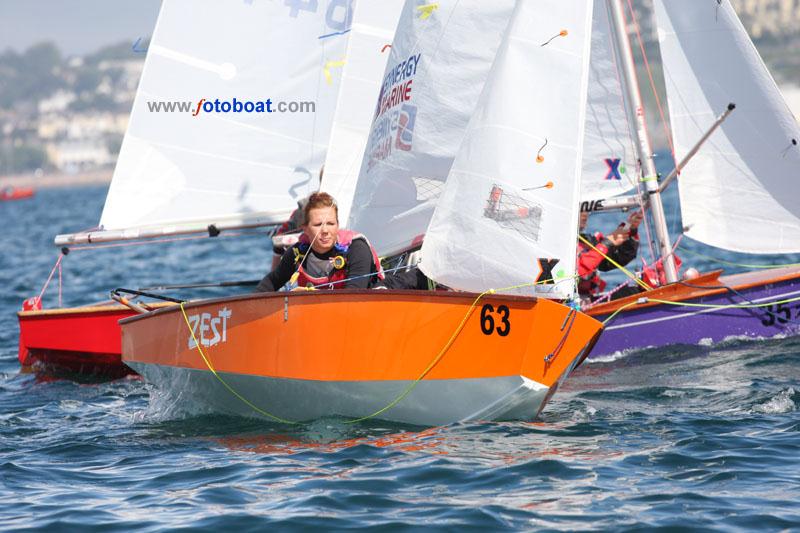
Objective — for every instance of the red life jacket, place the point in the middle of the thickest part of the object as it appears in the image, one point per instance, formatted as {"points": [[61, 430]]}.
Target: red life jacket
{"points": [[344, 238], [654, 274], [589, 281], [591, 286]]}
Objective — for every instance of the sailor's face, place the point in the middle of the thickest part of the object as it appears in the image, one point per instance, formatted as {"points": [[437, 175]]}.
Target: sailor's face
{"points": [[584, 219], [322, 228]]}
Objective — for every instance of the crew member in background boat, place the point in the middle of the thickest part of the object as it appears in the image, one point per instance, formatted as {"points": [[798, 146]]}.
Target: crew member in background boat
{"points": [[292, 225], [325, 256], [621, 245]]}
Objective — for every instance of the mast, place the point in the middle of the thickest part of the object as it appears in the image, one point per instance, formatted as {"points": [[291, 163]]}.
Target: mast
{"points": [[636, 112]]}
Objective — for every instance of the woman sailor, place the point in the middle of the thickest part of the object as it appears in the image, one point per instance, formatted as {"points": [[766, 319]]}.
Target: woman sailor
{"points": [[325, 256]]}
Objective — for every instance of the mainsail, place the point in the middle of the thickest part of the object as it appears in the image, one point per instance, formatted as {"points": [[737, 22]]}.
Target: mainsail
{"points": [[609, 156], [741, 190], [509, 212], [180, 171], [370, 42], [439, 60]]}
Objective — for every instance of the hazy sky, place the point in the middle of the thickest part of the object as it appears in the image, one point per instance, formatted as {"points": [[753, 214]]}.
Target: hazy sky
{"points": [[76, 26]]}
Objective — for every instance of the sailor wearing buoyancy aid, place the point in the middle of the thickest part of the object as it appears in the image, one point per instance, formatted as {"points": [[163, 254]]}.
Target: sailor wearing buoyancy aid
{"points": [[621, 245], [292, 224], [325, 256]]}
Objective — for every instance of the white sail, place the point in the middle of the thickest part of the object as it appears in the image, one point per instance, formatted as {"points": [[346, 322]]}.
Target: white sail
{"points": [[498, 224], [234, 167], [439, 60], [609, 156], [368, 47], [740, 192]]}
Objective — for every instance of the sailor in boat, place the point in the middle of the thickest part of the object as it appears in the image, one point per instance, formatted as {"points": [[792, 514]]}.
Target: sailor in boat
{"points": [[292, 225], [621, 245], [325, 256]]}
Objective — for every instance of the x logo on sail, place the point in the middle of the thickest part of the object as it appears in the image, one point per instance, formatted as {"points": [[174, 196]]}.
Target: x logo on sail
{"points": [[613, 169], [545, 276]]}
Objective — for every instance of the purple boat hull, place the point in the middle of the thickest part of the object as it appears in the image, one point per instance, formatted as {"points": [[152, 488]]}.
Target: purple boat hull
{"points": [[662, 325]]}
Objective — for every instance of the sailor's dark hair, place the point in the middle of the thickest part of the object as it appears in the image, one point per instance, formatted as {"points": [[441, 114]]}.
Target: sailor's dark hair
{"points": [[317, 200]]}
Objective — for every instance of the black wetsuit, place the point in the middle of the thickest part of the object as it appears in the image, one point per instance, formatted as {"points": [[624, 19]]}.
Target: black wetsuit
{"points": [[358, 263], [413, 279], [622, 254], [590, 283]]}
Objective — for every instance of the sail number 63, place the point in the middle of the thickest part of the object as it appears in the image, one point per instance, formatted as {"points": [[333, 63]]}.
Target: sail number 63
{"points": [[488, 314]]}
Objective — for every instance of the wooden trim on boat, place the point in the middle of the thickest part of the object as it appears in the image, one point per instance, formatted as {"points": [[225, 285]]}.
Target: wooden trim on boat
{"points": [[342, 292], [680, 291], [746, 280], [102, 308]]}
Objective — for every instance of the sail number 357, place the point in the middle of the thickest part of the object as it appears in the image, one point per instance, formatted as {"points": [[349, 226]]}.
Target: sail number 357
{"points": [[495, 321], [780, 313]]}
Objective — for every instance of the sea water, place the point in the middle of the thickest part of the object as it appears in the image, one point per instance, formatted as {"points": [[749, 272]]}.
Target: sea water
{"points": [[690, 437]]}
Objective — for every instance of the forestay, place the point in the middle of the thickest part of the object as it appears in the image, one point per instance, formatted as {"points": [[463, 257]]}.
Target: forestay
{"points": [[609, 156], [497, 223], [740, 192], [368, 47], [439, 60], [229, 167]]}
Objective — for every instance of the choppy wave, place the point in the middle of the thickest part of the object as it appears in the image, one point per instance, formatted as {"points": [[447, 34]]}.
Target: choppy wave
{"points": [[683, 438], [783, 402]]}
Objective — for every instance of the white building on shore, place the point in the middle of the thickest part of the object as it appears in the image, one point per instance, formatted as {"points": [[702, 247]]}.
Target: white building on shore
{"points": [[77, 156]]}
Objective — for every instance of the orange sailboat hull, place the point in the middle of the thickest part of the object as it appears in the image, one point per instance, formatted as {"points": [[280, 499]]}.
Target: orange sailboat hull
{"points": [[433, 357]]}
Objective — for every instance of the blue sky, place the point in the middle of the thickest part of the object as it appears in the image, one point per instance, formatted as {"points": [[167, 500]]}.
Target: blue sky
{"points": [[76, 26]]}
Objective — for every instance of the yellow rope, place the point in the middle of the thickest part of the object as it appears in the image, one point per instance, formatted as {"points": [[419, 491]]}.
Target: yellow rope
{"points": [[685, 304], [403, 394], [728, 306], [645, 299], [211, 368], [737, 264], [447, 345], [411, 386], [641, 283], [615, 313]]}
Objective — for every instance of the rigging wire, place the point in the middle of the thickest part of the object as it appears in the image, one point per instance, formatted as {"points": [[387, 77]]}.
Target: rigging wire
{"points": [[615, 57], [652, 82], [56, 266]]}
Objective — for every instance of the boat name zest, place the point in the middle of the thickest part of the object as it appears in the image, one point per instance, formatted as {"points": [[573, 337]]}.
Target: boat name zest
{"points": [[209, 330]]}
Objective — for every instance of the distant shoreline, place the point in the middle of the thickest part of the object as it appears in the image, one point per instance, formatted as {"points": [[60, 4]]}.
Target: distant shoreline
{"points": [[57, 179], [791, 94]]}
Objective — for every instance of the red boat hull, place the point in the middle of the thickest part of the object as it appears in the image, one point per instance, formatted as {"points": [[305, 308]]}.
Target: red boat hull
{"points": [[82, 340]]}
